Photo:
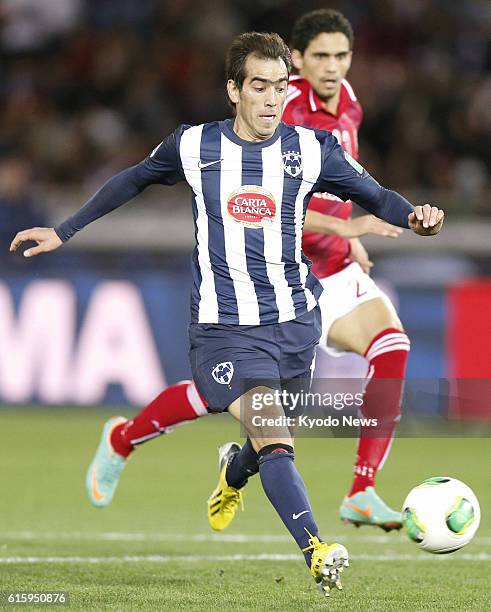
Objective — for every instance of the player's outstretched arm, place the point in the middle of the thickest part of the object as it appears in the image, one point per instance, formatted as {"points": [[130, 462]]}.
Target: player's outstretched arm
{"points": [[349, 228], [426, 220], [114, 193], [162, 166], [345, 177], [46, 237], [370, 224]]}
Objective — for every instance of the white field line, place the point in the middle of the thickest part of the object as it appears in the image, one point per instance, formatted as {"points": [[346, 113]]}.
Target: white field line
{"points": [[116, 536], [225, 558]]}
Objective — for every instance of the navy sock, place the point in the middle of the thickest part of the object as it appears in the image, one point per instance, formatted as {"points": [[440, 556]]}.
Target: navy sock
{"points": [[286, 491], [241, 466]]}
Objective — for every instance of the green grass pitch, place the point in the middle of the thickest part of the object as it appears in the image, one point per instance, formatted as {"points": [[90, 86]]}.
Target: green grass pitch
{"points": [[153, 550]]}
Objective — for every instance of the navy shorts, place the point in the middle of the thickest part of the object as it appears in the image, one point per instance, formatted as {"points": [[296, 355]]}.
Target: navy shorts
{"points": [[226, 359]]}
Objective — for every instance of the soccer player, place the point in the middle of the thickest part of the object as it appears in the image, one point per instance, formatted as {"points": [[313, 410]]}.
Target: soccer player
{"points": [[356, 315], [182, 402], [253, 305]]}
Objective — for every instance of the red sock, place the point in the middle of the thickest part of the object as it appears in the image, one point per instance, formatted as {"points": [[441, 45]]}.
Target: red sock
{"points": [[387, 356], [177, 403]]}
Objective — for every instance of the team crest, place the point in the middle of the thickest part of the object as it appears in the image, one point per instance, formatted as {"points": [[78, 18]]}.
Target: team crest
{"points": [[223, 372], [292, 163]]}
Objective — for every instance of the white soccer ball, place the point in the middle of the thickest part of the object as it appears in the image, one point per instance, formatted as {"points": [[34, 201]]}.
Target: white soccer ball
{"points": [[441, 514]]}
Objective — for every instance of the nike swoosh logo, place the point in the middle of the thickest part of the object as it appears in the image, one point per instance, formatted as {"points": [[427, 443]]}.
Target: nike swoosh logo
{"points": [[295, 516], [363, 511], [96, 494], [201, 165]]}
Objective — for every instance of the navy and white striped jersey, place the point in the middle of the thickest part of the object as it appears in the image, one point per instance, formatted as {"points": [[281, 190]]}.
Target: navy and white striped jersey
{"points": [[249, 203]]}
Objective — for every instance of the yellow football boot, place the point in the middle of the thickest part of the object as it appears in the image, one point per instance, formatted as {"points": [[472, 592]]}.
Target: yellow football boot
{"points": [[223, 502], [328, 561]]}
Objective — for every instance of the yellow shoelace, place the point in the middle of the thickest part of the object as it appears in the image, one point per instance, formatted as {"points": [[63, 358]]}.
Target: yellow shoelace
{"points": [[314, 541]]}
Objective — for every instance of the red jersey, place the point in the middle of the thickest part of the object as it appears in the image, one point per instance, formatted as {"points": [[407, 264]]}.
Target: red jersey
{"points": [[329, 254]]}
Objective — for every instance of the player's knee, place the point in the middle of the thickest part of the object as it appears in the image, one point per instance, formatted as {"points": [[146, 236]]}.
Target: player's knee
{"points": [[387, 356], [275, 451], [388, 352]]}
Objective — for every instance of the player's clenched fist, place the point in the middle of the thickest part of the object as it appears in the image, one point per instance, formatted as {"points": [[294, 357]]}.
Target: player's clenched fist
{"points": [[46, 238], [426, 220]]}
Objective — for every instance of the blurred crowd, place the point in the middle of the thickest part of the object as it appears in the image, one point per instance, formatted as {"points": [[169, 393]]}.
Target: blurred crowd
{"points": [[91, 86]]}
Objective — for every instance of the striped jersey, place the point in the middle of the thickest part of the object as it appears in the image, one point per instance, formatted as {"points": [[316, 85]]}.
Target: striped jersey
{"points": [[249, 202], [329, 253]]}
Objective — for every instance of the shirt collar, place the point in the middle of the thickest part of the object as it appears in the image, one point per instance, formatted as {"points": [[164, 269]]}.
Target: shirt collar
{"points": [[316, 103]]}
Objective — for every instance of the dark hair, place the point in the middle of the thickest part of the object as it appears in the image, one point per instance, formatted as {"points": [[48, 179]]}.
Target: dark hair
{"points": [[264, 45], [310, 25]]}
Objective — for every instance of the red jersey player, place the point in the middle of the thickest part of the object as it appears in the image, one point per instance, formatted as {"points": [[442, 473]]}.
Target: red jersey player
{"points": [[329, 252], [357, 316]]}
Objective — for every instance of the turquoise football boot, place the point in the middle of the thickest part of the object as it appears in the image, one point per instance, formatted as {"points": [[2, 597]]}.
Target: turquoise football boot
{"points": [[104, 471], [367, 508]]}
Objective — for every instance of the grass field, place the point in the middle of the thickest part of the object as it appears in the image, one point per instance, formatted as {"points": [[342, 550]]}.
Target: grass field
{"points": [[153, 549]]}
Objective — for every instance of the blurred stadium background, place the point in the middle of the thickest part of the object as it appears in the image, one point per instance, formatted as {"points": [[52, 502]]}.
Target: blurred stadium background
{"points": [[89, 87]]}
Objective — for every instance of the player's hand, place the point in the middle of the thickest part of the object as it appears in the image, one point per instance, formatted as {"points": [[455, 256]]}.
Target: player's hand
{"points": [[426, 220], [46, 238], [369, 224], [359, 254]]}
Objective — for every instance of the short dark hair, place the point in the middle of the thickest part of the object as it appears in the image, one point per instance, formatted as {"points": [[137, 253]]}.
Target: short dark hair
{"points": [[310, 25], [264, 45]]}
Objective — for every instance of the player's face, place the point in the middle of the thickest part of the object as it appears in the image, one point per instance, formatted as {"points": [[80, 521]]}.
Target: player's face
{"points": [[260, 102], [325, 63]]}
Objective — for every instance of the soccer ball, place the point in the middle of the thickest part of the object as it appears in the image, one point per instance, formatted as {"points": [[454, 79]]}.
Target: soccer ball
{"points": [[441, 514]]}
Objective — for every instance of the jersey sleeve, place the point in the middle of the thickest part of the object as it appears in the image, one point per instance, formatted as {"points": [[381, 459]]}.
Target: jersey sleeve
{"points": [[293, 111], [345, 177], [292, 93], [162, 166]]}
